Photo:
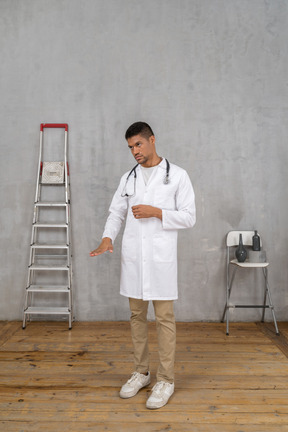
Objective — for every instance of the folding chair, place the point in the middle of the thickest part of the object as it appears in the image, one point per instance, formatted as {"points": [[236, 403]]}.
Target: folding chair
{"points": [[232, 241]]}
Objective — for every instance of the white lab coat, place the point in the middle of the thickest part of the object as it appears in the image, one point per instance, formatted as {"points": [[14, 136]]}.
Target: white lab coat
{"points": [[149, 246]]}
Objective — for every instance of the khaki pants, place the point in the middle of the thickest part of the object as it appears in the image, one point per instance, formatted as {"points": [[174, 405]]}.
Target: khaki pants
{"points": [[166, 332]]}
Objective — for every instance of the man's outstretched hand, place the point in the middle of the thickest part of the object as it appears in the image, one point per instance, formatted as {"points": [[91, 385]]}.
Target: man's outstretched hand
{"points": [[105, 246]]}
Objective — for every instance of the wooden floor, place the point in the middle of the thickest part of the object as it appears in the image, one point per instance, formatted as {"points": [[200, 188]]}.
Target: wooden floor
{"points": [[53, 379]]}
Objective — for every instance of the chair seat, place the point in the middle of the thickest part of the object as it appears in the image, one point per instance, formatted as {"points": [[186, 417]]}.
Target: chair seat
{"points": [[248, 264]]}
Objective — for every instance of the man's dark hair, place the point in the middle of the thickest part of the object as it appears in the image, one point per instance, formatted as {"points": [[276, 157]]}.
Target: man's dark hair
{"points": [[139, 128]]}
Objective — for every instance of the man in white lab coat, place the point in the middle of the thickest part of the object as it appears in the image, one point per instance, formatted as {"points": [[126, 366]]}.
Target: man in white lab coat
{"points": [[157, 199]]}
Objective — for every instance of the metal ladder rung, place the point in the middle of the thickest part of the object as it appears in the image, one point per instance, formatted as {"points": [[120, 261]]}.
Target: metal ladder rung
{"points": [[45, 310], [49, 288], [51, 204], [52, 184], [249, 306], [49, 246], [49, 257], [50, 225], [48, 267]]}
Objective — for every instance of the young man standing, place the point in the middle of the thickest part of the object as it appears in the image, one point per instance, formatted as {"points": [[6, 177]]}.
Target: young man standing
{"points": [[156, 198]]}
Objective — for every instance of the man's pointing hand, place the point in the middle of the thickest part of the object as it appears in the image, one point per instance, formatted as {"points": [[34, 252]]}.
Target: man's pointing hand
{"points": [[105, 246]]}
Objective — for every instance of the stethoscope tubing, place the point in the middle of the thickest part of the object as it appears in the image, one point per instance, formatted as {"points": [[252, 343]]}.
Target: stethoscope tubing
{"points": [[133, 170]]}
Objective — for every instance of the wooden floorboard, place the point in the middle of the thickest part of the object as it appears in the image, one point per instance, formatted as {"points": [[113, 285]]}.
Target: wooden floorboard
{"points": [[53, 379]]}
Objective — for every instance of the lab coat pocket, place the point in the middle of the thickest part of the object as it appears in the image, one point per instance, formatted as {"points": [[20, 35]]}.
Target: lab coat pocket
{"points": [[128, 249], [164, 248]]}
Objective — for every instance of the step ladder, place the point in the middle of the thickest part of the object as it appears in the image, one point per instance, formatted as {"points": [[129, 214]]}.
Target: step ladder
{"points": [[49, 284]]}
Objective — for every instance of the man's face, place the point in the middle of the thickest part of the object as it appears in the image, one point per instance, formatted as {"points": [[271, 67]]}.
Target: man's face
{"points": [[142, 149]]}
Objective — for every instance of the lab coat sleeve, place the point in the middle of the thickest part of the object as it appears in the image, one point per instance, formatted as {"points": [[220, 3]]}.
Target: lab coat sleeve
{"points": [[117, 213], [185, 214]]}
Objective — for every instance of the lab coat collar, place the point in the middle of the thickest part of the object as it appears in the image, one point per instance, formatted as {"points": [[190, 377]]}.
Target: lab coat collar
{"points": [[154, 176], [162, 164]]}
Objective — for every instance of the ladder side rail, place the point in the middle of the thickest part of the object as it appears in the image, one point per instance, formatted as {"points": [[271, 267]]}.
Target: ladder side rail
{"points": [[26, 299], [35, 213], [39, 167], [68, 222], [33, 235], [70, 296], [67, 214], [68, 257], [31, 258], [66, 173], [70, 241], [29, 274], [71, 290], [67, 234], [66, 179], [69, 252]]}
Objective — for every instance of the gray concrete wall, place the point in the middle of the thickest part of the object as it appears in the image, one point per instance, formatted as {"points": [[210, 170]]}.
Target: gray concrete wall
{"points": [[210, 76]]}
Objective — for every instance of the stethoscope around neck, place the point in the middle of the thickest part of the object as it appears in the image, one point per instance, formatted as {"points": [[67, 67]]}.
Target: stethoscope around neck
{"points": [[133, 171]]}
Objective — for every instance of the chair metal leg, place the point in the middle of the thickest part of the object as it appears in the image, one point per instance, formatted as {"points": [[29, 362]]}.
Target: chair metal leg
{"points": [[227, 322], [271, 306], [272, 311], [224, 312], [228, 293], [265, 294]]}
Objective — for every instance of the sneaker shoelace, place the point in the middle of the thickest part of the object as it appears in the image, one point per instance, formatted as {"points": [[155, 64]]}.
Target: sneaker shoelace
{"points": [[159, 387], [133, 377]]}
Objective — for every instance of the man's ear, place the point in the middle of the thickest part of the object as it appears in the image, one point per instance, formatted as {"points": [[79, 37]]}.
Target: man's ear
{"points": [[152, 139]]}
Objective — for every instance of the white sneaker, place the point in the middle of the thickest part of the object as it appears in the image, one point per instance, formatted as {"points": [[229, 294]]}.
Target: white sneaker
{"points": [[134, 384], [161, 393]]}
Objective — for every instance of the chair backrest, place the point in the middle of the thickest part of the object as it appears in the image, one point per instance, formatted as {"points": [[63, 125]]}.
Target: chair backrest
{"points": [[247, 238]]}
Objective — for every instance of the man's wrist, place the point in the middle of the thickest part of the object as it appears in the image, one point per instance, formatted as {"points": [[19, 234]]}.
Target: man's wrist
{"points": [[158, 213], [107, 240]]}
